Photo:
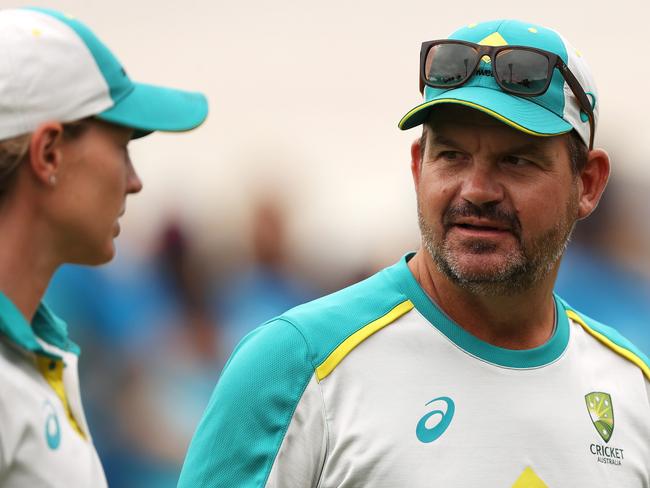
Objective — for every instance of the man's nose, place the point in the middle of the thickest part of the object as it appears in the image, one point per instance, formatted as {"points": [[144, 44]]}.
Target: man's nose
{"points": [[481, 185]]}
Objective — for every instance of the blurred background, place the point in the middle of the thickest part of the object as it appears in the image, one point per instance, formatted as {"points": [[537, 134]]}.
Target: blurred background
{"points": [[299, 184]]}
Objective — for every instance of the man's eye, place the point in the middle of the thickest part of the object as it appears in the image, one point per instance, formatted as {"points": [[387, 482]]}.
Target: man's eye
{"points": [[450, 155], [515, 161]]}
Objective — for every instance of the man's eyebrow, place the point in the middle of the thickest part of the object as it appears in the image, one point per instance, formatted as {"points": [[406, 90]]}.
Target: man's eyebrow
{"points": [[533, 149], [441, 140]]}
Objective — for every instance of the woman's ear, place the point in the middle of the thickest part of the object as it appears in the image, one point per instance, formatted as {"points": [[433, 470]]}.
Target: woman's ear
{"points": [[45, 152]]}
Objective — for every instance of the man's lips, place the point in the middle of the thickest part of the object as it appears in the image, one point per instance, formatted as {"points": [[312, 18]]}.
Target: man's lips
{"points": [[481, 225], [487, 222], [481, 229], [470, 232]]}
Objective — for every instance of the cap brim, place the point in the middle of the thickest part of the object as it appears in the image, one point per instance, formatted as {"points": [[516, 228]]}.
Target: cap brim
{"points": [[524, 115], [149, 108]]}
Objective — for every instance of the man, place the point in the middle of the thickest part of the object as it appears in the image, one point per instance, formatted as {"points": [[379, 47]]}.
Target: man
{"points": [[457, 366], [68, 113]]}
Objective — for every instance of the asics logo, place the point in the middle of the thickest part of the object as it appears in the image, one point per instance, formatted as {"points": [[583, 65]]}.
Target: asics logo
{"points": [[52, 428], [428, 431]]}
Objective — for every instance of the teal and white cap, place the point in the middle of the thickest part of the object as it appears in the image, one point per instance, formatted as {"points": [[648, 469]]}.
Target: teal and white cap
{"points": [[556, 111], [54, 68]]}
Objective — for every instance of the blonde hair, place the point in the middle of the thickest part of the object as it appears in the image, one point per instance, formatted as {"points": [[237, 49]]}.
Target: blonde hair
{"points": [[12, 153], [14, 150]]}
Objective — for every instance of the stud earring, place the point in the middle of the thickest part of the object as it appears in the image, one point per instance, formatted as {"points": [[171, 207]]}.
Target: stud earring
{"points": [[52, 179]]}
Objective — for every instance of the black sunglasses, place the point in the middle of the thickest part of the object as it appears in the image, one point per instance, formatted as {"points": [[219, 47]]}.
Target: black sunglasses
{"points": [[519, 70]]}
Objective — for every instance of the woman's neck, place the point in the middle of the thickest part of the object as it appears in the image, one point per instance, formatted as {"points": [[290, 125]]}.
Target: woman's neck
{"points": [[27, 262]]}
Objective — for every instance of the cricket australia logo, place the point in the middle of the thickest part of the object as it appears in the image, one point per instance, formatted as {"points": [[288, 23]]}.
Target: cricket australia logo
{"points": [[601, 411]]}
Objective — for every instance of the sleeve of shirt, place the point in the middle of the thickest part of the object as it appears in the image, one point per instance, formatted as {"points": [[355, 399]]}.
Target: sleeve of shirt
{"points": [[249, 430]]}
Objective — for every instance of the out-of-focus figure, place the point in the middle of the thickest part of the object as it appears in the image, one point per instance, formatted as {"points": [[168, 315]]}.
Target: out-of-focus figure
{"points": [[265, 284]]}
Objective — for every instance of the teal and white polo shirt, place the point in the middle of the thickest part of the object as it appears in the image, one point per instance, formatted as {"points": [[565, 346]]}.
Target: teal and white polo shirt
{"points": [[374, 386], [44, 437]]}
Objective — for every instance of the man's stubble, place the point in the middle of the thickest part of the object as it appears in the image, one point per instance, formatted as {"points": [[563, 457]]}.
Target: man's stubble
{"points": [[518, 271]]}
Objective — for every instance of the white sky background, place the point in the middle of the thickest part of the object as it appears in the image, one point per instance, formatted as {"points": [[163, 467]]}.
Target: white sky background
{"points": [[305, 98]]}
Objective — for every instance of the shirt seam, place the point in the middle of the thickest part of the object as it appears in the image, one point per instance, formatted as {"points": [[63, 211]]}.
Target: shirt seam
{"points": [[322, 396], [295, 407]]}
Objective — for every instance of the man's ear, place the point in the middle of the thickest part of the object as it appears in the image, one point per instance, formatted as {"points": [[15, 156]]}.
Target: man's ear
{"points": [[592, 181], [45, 151], [416, 160]]}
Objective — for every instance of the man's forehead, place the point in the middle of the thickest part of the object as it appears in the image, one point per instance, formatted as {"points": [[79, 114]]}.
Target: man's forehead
{"points": [[450, 117]]}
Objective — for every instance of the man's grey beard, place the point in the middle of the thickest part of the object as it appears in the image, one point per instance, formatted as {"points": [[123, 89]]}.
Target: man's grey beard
{"points": [[519, 272]]}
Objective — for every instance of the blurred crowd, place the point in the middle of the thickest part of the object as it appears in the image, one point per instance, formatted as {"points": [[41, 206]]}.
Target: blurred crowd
{"points": [[155, 330]]}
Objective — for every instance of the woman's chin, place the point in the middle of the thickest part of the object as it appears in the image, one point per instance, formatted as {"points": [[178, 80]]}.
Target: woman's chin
{"points": [[95, 257]]}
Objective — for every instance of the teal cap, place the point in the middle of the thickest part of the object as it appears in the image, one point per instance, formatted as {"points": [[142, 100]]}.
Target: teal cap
{"points": [[556, 111], [143, 107]]}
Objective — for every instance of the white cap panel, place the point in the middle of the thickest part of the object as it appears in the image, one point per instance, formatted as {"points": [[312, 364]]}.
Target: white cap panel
{"points": [[33, 85], [578, 66]]}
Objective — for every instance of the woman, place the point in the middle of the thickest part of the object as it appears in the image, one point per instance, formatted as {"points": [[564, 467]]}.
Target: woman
{"points": [[67, 113]]}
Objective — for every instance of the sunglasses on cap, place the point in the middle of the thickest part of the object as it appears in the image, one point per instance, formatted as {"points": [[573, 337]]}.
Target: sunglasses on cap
{"points": [[520, 70]]}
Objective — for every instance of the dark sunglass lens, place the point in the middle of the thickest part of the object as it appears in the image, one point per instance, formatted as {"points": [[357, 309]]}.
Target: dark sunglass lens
{"points": [[449, 64], [522, 71]]}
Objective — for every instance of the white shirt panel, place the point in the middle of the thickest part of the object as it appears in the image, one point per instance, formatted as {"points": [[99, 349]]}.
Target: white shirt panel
{"points": [[505, 419], [300, 459], [28, 406]]}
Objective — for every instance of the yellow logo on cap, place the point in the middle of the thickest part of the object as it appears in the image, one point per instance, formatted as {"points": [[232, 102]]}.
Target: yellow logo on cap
{"points": [[494, 39]]}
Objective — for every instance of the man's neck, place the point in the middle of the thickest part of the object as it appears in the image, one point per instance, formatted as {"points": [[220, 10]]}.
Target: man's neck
{"points": [[516, 321]]}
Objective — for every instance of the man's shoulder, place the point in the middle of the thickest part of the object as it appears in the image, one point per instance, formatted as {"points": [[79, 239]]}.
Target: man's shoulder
{"points": [[360, 302], [611, 338], [327, 321]]}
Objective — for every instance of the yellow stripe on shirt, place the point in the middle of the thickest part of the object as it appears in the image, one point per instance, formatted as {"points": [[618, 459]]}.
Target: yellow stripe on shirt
{"points": [[627, 354], [336, 356]]}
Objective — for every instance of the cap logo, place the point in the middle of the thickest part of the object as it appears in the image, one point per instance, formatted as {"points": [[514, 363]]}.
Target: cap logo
{"points": [[494, 39]]}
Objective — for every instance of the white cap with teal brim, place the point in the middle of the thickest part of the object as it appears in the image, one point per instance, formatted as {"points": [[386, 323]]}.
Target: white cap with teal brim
{"points": [[54, 68], [555, 112]]}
